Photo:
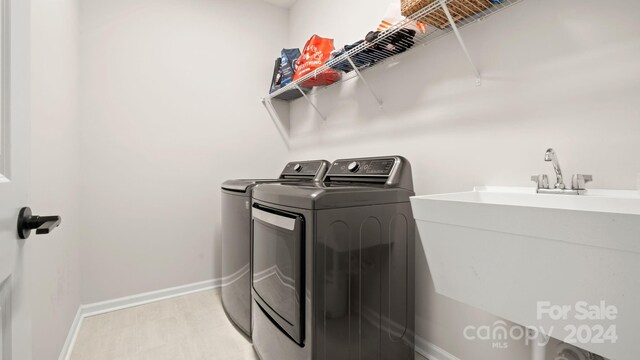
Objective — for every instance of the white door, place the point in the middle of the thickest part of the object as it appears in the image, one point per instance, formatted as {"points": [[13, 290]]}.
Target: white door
{"points": [[15, 331]]}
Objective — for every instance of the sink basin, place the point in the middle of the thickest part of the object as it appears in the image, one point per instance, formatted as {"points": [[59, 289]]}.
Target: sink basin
{"points": [[508, 250]]}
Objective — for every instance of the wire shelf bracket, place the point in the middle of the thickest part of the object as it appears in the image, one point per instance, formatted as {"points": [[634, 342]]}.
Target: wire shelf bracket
{"points": [[364, 81], [273, 114], [456, 31], [309, 101]]}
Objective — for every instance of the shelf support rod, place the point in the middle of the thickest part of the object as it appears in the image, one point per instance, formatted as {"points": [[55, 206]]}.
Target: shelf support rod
{"points": [[309, 100], [445, 8], [355, 68], [273, 114]]}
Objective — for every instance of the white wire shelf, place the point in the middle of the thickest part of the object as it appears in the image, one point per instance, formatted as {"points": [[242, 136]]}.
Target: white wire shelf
{"points": [[439, 16]]}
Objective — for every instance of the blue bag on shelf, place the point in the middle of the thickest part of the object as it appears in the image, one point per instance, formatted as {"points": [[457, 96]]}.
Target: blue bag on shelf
{"points": [[287, 66], [284, 69]]}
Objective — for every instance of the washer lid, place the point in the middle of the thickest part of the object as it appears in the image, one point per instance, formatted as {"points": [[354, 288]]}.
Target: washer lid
{"points": [[244, 185], [315, 195]]}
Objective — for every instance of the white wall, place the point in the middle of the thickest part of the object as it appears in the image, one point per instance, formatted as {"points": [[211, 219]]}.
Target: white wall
{"points": [[169, 110], [555, 73], [55, 175]]}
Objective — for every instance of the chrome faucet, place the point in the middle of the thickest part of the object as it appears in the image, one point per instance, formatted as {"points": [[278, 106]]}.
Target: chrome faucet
{"points": [[550, 155], [578, 181]]}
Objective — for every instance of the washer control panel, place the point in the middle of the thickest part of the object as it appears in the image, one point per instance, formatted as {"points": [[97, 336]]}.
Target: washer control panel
{"points": [[362, 167]]}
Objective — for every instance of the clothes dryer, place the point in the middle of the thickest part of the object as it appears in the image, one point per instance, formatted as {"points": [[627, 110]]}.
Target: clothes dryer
{"points": [[236, 236]]}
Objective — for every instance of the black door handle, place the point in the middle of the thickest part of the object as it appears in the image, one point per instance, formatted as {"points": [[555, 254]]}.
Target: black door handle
{"points": [[41, 224]]}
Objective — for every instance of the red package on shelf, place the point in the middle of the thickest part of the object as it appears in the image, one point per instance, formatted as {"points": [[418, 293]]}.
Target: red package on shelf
{"points": [[316, 52]]}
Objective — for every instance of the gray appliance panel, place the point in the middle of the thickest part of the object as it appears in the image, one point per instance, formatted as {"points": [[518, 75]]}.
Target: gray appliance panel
{"points": [[236, 250], [363, 284]]}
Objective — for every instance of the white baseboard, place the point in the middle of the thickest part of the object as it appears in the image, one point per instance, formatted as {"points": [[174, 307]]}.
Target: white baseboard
{"points": [[71, 336], [102, 307], [145, 298], [432, 351]]}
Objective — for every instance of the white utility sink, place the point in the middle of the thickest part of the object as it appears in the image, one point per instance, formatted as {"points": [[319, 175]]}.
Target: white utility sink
{"points": [[505, 249]]}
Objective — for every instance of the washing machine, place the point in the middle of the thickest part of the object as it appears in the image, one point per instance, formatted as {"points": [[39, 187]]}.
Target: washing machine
{"points": [[333, 264], [236, 236]]}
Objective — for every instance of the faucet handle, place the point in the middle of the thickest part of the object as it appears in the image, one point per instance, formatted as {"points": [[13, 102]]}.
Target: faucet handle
{"points": [[542, 181], [578, 181]]}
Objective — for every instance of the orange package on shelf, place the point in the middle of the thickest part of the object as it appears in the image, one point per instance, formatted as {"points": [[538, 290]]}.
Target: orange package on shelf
{"points": [[316, 52]]}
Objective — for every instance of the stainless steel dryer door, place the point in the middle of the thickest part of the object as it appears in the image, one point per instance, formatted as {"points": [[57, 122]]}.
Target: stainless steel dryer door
{"points": [[278, 248]]}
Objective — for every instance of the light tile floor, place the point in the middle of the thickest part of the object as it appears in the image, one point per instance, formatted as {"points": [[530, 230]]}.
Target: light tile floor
{"points": [[189, 327]]}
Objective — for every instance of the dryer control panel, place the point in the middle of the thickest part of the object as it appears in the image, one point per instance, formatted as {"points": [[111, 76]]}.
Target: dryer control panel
{"points": [[305, 170], [366, 167]]}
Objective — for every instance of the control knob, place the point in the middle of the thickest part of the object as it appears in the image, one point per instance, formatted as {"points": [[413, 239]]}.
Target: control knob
{"points": [[353, 166], [297, 168]]}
